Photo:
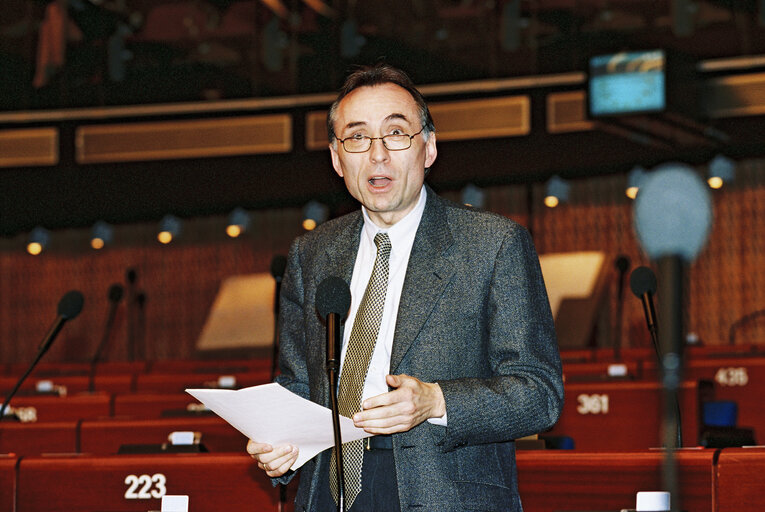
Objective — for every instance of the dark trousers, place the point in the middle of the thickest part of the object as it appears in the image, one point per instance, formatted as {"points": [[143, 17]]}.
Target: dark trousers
{"points": [[379, 491]]}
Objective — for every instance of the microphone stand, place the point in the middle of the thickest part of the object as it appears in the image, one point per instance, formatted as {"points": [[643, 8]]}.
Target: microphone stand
{"points": [[622, 263], [333, 371], [670, 378], [44, 346], [671, 285], [104, 339]]}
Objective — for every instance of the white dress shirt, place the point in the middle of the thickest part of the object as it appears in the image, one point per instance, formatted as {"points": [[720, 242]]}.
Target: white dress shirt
{"points": [[401, 238]]}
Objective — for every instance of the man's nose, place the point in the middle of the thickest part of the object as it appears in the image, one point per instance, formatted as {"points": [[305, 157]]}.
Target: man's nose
{"points": [[378, 152]]}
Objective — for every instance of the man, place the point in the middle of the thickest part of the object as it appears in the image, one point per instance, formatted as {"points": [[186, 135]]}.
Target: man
{"points": [[465, 359]]}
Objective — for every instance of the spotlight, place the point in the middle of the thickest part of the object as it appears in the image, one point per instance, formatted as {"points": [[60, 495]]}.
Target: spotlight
{"points": [[314, 213], [634, 179], [721, 170], [557, 191], [169, 228], [473, 196], [39, 239], [101, 235], [238, 222]]}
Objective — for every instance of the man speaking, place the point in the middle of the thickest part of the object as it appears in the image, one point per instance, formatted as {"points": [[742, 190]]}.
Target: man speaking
{"points": [[449, 350]]}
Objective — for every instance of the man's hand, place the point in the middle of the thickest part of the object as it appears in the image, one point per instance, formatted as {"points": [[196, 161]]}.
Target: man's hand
{"points": [[409, 404], [274, 461]]}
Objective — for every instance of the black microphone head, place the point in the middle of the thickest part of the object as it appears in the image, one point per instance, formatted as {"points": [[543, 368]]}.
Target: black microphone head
{"points": [[131, 275], [333, 296], [115, 292], [70, 305], [643, 280], [278, 264], [622, 263]]}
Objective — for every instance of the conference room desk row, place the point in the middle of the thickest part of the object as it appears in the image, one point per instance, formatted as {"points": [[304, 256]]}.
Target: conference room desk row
{"points": [[648, 353], [209, 365], [109, 436], [140, 383], [618, 415], [710, 480], [740, 379]]}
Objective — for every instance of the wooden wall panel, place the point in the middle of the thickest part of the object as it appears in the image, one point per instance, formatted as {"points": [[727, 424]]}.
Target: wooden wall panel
{"points": [[29, 146], [161, 140]]}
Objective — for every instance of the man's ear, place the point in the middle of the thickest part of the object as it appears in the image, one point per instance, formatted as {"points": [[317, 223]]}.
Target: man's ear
{"points": [[335, 160], [430, 150]]}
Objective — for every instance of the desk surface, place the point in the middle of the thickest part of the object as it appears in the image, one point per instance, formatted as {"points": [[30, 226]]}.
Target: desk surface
{"points": [[38, 438]]}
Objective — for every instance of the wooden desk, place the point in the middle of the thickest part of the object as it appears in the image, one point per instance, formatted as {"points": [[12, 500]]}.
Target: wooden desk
{"points": [[46, 369], [624, 415], [37, 438], [110, 383], [178, 382], [151, 405], [740, 481], [219, 366], [554, 480], [104, 437], [600, 370], [7, 481], [65, 408], [741, 379], [126, 483]]}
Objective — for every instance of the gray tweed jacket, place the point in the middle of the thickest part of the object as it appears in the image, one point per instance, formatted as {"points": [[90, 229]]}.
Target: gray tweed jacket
{"points": [[474, 317]]}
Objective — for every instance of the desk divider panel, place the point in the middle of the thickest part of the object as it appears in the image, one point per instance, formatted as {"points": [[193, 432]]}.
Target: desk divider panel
{"points": [[24, 439], [741, 379], [7, 481], [555, 480], [104, 437], [67, 408], [221, 366], [136, 483], [740, 481], [625, 415], [153, 405], [178, 382]]}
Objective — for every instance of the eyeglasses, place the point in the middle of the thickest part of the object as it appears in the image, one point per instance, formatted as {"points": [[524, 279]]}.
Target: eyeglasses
{"points": [[392, 142]]}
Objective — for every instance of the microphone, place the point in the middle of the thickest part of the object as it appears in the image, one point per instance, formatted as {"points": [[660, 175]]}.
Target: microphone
{"points": [[643, 285], [333, 298], [672, 216], [115, 296], [622, 263], [131, 276], [69, 307]]}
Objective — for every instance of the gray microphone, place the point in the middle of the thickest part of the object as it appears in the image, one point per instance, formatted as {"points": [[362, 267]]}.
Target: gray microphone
{"points": [[672, 218], [673, 212]]}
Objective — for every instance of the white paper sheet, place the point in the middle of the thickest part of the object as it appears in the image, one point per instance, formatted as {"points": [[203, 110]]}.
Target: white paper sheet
{"points": [[272, 414]]}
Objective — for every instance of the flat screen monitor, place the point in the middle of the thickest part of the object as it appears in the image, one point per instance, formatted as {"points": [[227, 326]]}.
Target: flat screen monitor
{"points": [[627, 83]]}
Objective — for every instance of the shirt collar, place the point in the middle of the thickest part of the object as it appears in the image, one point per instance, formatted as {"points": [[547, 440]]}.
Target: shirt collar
{"points": [[401, 233]]}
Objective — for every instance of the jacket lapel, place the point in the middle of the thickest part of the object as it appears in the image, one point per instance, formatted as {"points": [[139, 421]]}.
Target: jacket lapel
{"points": [[341, 250], [430, 270]]}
